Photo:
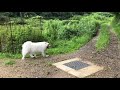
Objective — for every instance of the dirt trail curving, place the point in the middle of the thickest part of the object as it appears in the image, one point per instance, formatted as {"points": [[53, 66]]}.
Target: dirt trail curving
{"points": [[42, 68]]}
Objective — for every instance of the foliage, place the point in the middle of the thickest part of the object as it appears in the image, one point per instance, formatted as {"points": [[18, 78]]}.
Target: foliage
{"points": [[65, 46], [20, 34], [52, 28], [10, 55], [116, 27], [47, 15], [103, 38], [72, 33]]}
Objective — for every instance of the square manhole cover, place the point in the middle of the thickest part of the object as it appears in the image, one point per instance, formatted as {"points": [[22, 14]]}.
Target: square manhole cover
{"points": [[76, 65]]}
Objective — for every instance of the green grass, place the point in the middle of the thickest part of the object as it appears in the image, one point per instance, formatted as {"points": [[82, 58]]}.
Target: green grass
{"points": [[59, 47], [67, 46], [103, 38], [65, 36], [10, 55], [117, 31], [9, 62], [116, 27]]}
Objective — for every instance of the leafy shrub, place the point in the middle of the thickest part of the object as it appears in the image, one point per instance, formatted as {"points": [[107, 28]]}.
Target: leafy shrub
{"points": [[13, 43], [67, 46], [21, 22], [116, 26], [76, 17], [3, 20], [72, 33], [52, 28]]}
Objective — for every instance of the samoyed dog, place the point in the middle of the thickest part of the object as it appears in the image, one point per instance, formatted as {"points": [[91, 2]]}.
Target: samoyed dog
{"points": [[32, 48]]}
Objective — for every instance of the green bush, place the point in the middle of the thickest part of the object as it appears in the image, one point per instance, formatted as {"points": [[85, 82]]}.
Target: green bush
{"points": [[72, 33], [76, 17], [20, 34], [67, 46], [87, 24], [51, 29], [68, 33], [116, 26]]}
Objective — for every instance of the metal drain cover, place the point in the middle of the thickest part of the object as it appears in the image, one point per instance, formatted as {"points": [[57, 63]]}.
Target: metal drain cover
{"points": [[76, 65]]}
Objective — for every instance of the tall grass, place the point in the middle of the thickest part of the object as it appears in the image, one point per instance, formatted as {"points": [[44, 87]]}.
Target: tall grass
{"points": [[67, 46], [64, 35], [10, 55], [116, 27], [103, 38], [20, 34]]}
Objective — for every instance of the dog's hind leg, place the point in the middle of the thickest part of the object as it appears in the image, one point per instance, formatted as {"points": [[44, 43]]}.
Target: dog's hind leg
{"points": [[23, 54], [35, 55], [31, 55]]}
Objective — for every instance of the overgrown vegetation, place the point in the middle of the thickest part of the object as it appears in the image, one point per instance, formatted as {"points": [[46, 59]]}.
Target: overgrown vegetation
{"points": [[10, 55], [116, 25], [64, 35], [103, 38], [65, 46]]}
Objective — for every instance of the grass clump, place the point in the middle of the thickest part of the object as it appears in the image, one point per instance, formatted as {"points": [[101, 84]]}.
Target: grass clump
{"points": [[103, 38], [9, 62]]}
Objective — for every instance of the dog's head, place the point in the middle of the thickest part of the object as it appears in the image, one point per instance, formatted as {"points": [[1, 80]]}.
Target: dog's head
{"points": [[48, 45]]}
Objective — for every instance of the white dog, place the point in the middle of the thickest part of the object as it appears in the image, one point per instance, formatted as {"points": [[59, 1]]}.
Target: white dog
{"points": [[33, 48]]}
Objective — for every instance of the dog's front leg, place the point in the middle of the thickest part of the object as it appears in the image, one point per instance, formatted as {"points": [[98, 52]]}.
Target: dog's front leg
{"points": [[44, 55]]}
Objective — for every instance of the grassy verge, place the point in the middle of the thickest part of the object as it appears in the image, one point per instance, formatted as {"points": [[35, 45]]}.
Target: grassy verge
{"points": [[65, 35], [116, 27], [10, 55], [103, 38], [64, 46], [61, 47]]}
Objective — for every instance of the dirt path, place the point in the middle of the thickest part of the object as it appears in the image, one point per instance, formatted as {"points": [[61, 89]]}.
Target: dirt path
{"points": [[42, 68]]}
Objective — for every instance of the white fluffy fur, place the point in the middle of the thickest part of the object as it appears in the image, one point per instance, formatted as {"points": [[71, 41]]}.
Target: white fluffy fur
{"points": [[33, 48]]}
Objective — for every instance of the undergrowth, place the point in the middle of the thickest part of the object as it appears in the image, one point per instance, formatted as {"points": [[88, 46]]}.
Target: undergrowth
{"points": [[103, 38]]}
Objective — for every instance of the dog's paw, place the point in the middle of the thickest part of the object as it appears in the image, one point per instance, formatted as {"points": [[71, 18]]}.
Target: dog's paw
{"points": [[47, 55], [22, 60]]}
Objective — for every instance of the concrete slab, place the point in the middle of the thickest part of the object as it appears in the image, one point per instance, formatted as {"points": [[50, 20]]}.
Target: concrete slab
{"points": [[81, 73]]}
